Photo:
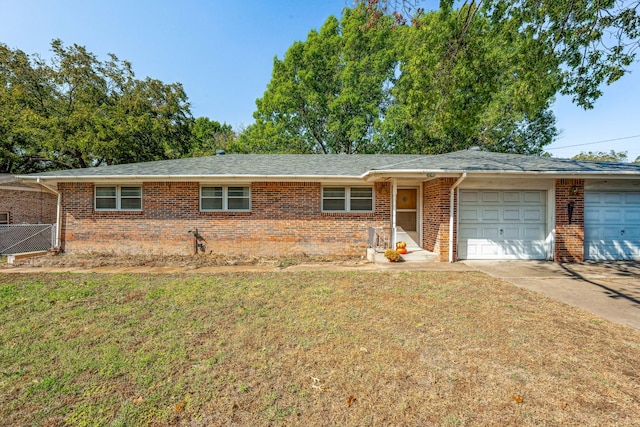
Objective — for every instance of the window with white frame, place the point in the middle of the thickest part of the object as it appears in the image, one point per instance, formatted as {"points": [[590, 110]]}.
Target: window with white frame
{"points": [[347, 199], [4, 217], [118, 198], [225, 198]]}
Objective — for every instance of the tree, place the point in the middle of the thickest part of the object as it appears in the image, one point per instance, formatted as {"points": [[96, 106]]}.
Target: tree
{"points": [[208, 136], [601, 156], [494, 91], [77, 111], [594, 42], [327, 93]]}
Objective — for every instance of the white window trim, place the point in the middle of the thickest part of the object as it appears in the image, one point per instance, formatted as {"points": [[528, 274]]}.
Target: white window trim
{"points": [[347, 199], [225, 198], [118, 196], [4, 214]]}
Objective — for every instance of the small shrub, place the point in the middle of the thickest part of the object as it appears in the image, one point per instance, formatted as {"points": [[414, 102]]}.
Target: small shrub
{"points": [[392, 255]]}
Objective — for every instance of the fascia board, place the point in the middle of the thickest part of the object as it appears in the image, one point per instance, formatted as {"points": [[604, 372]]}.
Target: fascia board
{"points": [[191, 178], [443, 173]]}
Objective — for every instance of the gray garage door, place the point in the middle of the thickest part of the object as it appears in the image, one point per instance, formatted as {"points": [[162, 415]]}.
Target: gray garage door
{"points": [[612, 225], [502, 224]]}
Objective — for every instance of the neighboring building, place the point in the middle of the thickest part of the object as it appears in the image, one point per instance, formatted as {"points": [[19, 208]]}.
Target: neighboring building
{"points": [[510, 206], [25, 204]]}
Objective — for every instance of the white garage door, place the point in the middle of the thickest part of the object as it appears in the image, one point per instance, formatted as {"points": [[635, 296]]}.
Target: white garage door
{"points": [[612, 225], [502, 225]]}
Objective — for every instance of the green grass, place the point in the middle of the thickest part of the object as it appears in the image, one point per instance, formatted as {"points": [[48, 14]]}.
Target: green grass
{"points": [[307, 348]]}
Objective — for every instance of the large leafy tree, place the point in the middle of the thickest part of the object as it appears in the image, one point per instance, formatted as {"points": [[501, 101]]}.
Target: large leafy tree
{"points": [[327, 93], [77, 111], [494, 90], [594, 42], [480, 73]]}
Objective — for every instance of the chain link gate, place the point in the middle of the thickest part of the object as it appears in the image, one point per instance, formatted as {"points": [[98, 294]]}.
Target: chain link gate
{"points": [[21, 238]]}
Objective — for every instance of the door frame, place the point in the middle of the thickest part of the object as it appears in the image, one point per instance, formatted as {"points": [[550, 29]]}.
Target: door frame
{"points": [[419, 204]]}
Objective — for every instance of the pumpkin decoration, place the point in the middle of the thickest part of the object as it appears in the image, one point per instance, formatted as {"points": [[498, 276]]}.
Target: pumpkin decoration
{"points": [[401, 247]]}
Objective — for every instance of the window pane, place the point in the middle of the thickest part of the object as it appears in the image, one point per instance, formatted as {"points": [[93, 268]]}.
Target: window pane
{"points": [[4, 217], [212, 204], [131, 204], [361, 192], [106, 203], [131, 192], [362, 205], [105, 191], [238, 203], [333, 205], [238, 191], [211, 191], [337, 192]]}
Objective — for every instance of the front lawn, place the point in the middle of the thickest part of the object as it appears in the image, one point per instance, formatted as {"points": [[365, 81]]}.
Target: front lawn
{"points": [[306, 348]]}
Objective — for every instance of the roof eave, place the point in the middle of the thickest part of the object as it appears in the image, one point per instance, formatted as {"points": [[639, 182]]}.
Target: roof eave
{"points": [[186, 178]]}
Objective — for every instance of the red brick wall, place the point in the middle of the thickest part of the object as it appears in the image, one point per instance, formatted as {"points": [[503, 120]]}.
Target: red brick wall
{"points": [[285, 218], [29, 207], [569, 236], [435, 217]]}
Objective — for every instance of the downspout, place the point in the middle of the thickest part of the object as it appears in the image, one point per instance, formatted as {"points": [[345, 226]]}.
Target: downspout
{"points": [[451, 215], [394, 195], [58, 213], [58, 223]]}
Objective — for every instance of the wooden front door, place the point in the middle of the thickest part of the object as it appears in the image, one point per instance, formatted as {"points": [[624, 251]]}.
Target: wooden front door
{"points": [[407, 209]]}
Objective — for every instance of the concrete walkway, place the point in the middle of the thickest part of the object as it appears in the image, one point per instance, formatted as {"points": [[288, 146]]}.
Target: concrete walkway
{"points": [[608, 289]]}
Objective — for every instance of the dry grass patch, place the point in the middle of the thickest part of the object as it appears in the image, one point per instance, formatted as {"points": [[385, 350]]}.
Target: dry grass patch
{"points": [[321, 348], [102, 259]]}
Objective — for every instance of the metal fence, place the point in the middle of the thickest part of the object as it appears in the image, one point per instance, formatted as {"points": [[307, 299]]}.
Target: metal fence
{"points": [[21, 238], [380, 238]]}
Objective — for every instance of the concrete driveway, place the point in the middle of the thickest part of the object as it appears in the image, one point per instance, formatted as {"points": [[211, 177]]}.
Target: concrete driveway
{"points": [[608, 289]]}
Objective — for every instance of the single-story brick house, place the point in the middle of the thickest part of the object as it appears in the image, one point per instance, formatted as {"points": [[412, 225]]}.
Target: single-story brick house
{"points": [[462, 205], [25, 204]]}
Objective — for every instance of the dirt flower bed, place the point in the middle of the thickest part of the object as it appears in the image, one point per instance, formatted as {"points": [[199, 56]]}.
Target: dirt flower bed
{"points": [[95, 260]]}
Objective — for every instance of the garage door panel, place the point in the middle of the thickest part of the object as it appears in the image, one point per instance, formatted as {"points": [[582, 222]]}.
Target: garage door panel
{"points": [[632, 233], [533, 233], [609, 233], [534, 197], [613, 198], [488, 249], [612, 215], [511, 197], [592, 198], [469, 197], [468, 232], [469, 215], [506, 225], [631, 215], [490, 197], [510, 233], [632, 199], [511, 214], [534, 215], [490, 215], [592, 216], [612, 225], [490, 232]]}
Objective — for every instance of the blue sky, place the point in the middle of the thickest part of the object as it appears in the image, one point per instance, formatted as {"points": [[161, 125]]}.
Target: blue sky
{"points": [[222, 52]]}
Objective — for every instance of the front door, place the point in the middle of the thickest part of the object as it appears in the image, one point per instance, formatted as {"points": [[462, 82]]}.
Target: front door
{"points": [[407, 209]]}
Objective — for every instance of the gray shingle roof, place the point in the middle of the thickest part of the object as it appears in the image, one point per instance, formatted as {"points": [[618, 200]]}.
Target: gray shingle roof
{"points": [[341, 165], [476, 161]]}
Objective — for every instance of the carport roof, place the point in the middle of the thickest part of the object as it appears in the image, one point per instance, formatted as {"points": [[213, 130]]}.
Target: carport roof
{"points": [[338, 166]]}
